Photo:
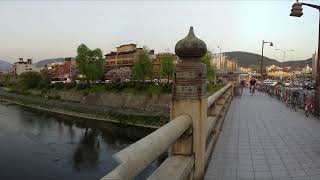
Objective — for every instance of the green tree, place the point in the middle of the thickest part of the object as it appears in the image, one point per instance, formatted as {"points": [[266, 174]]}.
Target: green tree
{"points": [[166, 66], [5, 79], [142, 66], [90, 62], [206, 59], [29, 80]]}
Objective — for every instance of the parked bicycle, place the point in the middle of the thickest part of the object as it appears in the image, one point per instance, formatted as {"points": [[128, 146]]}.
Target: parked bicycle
{"points": [[293, 99], [309, 109]]}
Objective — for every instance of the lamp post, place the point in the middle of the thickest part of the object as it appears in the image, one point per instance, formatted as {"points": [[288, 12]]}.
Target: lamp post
{"points": [[284, 57], [261, 68], [296, 11], [220, 58]]}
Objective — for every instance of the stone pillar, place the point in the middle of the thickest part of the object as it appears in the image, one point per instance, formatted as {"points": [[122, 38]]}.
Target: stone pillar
{"points": [[189, 97]]}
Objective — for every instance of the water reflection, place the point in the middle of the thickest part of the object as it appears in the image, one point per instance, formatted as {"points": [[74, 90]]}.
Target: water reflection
{"points": [[86, 154], [57, 147]]}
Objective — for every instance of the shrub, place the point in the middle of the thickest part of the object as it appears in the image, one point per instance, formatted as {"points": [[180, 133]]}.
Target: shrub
{"points": [[81, 86], [29, 80], [70, 86], [49, 86], [59, 85]]}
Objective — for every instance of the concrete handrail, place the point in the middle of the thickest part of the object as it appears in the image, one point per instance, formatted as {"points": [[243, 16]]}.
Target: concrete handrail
{"points": [[216, 95], [139, 155]]}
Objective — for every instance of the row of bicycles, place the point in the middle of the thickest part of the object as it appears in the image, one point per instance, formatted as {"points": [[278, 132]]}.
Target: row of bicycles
{"points": [[292, 97]]}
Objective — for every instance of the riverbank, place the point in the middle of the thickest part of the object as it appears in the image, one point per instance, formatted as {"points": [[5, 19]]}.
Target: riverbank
{"points": [[83, 111]]}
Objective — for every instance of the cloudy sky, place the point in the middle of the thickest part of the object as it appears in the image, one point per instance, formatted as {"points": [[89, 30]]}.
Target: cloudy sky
{"points": [[40, 30]]}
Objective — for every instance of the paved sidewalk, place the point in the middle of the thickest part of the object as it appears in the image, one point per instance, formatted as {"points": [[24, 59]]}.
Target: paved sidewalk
{"points": [[263, 139]]}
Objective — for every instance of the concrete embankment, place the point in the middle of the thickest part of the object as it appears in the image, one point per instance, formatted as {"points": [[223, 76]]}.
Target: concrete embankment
{"points": [[141, 102], [120, 116]]}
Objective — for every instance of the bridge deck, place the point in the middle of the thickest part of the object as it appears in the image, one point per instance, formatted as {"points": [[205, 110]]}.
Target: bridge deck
{"points": [[263, 139]]}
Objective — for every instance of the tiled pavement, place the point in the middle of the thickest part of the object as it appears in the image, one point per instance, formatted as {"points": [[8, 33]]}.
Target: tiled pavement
{"points": [[263, 139]]}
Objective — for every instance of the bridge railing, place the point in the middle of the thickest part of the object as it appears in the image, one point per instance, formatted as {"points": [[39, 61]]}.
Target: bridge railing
{"points": [[218, 104], [139, 155], [136, 157]]}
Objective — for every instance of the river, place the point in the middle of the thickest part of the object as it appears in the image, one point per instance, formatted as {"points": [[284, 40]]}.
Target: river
{"points": [[35, 145]]}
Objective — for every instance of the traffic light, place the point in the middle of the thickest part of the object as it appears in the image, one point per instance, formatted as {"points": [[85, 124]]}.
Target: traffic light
{"points": [[296, 10]]}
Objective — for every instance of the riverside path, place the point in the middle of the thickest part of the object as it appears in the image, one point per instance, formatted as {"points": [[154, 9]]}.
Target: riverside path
{"points": [[263, 139]]}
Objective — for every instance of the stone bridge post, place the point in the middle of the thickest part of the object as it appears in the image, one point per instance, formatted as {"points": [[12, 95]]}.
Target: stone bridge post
{"points": [[189, 97]]}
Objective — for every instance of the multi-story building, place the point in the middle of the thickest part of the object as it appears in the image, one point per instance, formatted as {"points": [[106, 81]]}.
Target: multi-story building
{"points": [[156, 64], [314, 65], [223, 62], [276, 71], [123, 57], [24, 66], [63, 69]]}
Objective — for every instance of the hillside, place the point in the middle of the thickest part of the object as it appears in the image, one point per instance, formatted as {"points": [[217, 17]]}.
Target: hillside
{"points": [[48, 61], [4, 65], [246, 59]]}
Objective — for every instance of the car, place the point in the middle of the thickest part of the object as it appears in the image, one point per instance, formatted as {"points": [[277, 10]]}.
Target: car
{"points": [[273, 83], [55, 80], [287, 84], [126, 80], [66, 80]]}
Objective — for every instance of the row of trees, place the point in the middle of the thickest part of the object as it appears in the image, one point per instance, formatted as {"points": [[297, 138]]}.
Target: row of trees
{"points": [[143, 66], [91, 64]]}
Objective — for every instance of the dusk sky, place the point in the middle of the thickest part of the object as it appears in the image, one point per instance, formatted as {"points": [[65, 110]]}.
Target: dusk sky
{"points": [[41, 30]]}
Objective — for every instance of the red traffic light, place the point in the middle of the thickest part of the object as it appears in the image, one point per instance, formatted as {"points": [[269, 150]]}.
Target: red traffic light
{"points": [[296, 10]]}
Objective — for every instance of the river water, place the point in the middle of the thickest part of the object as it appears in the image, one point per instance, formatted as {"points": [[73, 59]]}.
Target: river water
{"points": [[35, 145]]}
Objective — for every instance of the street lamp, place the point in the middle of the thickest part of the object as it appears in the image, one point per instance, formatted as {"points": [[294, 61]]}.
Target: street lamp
{"points": [[220, 58], [296, 11], [284, 57], [263, 42]]}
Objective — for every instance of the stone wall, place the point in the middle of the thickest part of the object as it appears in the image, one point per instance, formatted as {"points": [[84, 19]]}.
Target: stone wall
{"points": [[148, 103]]}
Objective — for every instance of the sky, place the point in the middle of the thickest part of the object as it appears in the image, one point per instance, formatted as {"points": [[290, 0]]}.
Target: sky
{"points": [[50, 29]]}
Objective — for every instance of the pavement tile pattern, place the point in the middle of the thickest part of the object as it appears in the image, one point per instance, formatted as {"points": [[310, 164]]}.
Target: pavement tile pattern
{"points": [[263, 139]]}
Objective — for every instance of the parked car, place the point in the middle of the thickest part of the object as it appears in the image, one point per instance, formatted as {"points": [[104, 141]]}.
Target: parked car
{"points": [[287, 84], [126, 80], [67, 80], [55, 80]]}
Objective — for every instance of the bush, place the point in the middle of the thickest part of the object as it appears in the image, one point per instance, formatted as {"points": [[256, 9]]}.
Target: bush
{"points": [[29, 80], [81, 86], [70, 86], [49, 86], [59, 85]]}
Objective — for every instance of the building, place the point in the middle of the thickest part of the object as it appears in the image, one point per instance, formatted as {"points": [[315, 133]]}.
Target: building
{"points": [[314, 65], [276, 71], [223, 62], [24, 66], [123, 57], [307, 69], [156, 64], [67, 68]]}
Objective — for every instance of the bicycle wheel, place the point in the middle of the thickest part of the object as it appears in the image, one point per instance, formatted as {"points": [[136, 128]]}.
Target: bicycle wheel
{"points": [[306, 111]]}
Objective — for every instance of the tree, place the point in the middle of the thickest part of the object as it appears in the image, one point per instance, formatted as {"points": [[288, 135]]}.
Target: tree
{"points": [[166, 66], [29, 80], [90, 62], [142, 66], [206, 59]]}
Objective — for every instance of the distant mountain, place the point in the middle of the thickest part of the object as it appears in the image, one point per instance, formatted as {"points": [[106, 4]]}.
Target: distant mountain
{"points": [[4, 65], [48, 61], [246, 59], [301, 63]]}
